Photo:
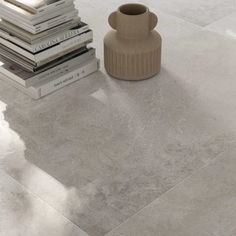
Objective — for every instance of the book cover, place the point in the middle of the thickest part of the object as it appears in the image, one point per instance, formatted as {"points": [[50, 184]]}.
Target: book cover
{"points": [[27, 79]]}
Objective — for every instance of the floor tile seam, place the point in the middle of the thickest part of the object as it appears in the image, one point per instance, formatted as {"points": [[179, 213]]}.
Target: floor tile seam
{"points": [[210, 163], [219, 19], [191, 22], [43, 201], [177, 17]]}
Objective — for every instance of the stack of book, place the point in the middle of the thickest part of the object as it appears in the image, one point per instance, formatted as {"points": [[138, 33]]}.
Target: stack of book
{"points": [[44, 45]]}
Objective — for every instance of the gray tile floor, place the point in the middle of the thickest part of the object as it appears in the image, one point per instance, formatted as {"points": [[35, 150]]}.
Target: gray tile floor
{"points": [[106, 157]]}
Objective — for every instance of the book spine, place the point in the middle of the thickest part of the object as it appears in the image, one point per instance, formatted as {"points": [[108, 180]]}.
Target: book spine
{"points": [[53, 72], [52, 53], [60, 69], [83, 71], [56, 30], [51, 58], [34, 48], [65, 49], [58, 39], [63, 46], [55, 21]]}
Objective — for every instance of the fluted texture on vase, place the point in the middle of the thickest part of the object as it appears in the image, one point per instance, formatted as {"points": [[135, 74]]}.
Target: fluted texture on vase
{"points": [[138, 66]]}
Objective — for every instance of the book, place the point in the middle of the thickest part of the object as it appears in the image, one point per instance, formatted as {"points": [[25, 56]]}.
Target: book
{"points": [[31, 5], [35, 29], [36, 38], [46, 87], [40, 6], [50, 54], [27, 79], [47, 42], [27, 65], [12, 10]]}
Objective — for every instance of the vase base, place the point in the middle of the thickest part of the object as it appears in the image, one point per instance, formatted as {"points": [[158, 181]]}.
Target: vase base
{"points": [[133, 79]]}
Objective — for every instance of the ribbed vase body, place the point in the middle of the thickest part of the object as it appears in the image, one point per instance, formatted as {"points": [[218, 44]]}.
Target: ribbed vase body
{"points": [[132, 50]]}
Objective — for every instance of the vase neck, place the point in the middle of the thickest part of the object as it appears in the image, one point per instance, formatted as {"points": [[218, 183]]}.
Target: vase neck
{"points": [[133, 26]]}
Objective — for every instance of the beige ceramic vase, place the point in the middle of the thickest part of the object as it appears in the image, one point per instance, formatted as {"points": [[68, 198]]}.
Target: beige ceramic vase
{"points": [[132, 51]]}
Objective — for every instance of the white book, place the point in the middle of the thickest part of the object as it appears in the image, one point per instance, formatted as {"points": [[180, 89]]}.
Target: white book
{"points": [[24, 16], [46, 87], [53, 52], [35, 29], [47, 42], [36, 38], [40, 6], [26, 4], [27, 79]]}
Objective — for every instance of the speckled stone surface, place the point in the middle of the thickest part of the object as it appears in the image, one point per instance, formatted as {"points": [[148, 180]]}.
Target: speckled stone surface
{"points": [[204, 204], [100, 150]]}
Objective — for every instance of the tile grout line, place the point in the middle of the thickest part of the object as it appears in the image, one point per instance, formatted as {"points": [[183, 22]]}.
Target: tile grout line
{"points": [[218, 157], [192, 23], [178, 17], [219, 19], [47, 204]]}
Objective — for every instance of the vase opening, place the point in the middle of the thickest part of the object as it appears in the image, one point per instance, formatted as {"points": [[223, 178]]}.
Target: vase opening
{"points": [[133, 9]]}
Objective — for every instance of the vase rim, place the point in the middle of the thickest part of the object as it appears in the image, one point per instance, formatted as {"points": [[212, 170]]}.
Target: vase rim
{"points": [[133, 9]]}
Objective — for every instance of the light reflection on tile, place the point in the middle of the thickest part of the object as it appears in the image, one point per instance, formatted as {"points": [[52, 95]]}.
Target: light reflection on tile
{"points": [[24, 214], [100, 96]]}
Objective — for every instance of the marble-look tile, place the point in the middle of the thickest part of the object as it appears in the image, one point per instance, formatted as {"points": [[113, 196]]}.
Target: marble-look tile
{"points": [[21, 213], [200, 12], [225, 26], [100, 150], [204, 204]]}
